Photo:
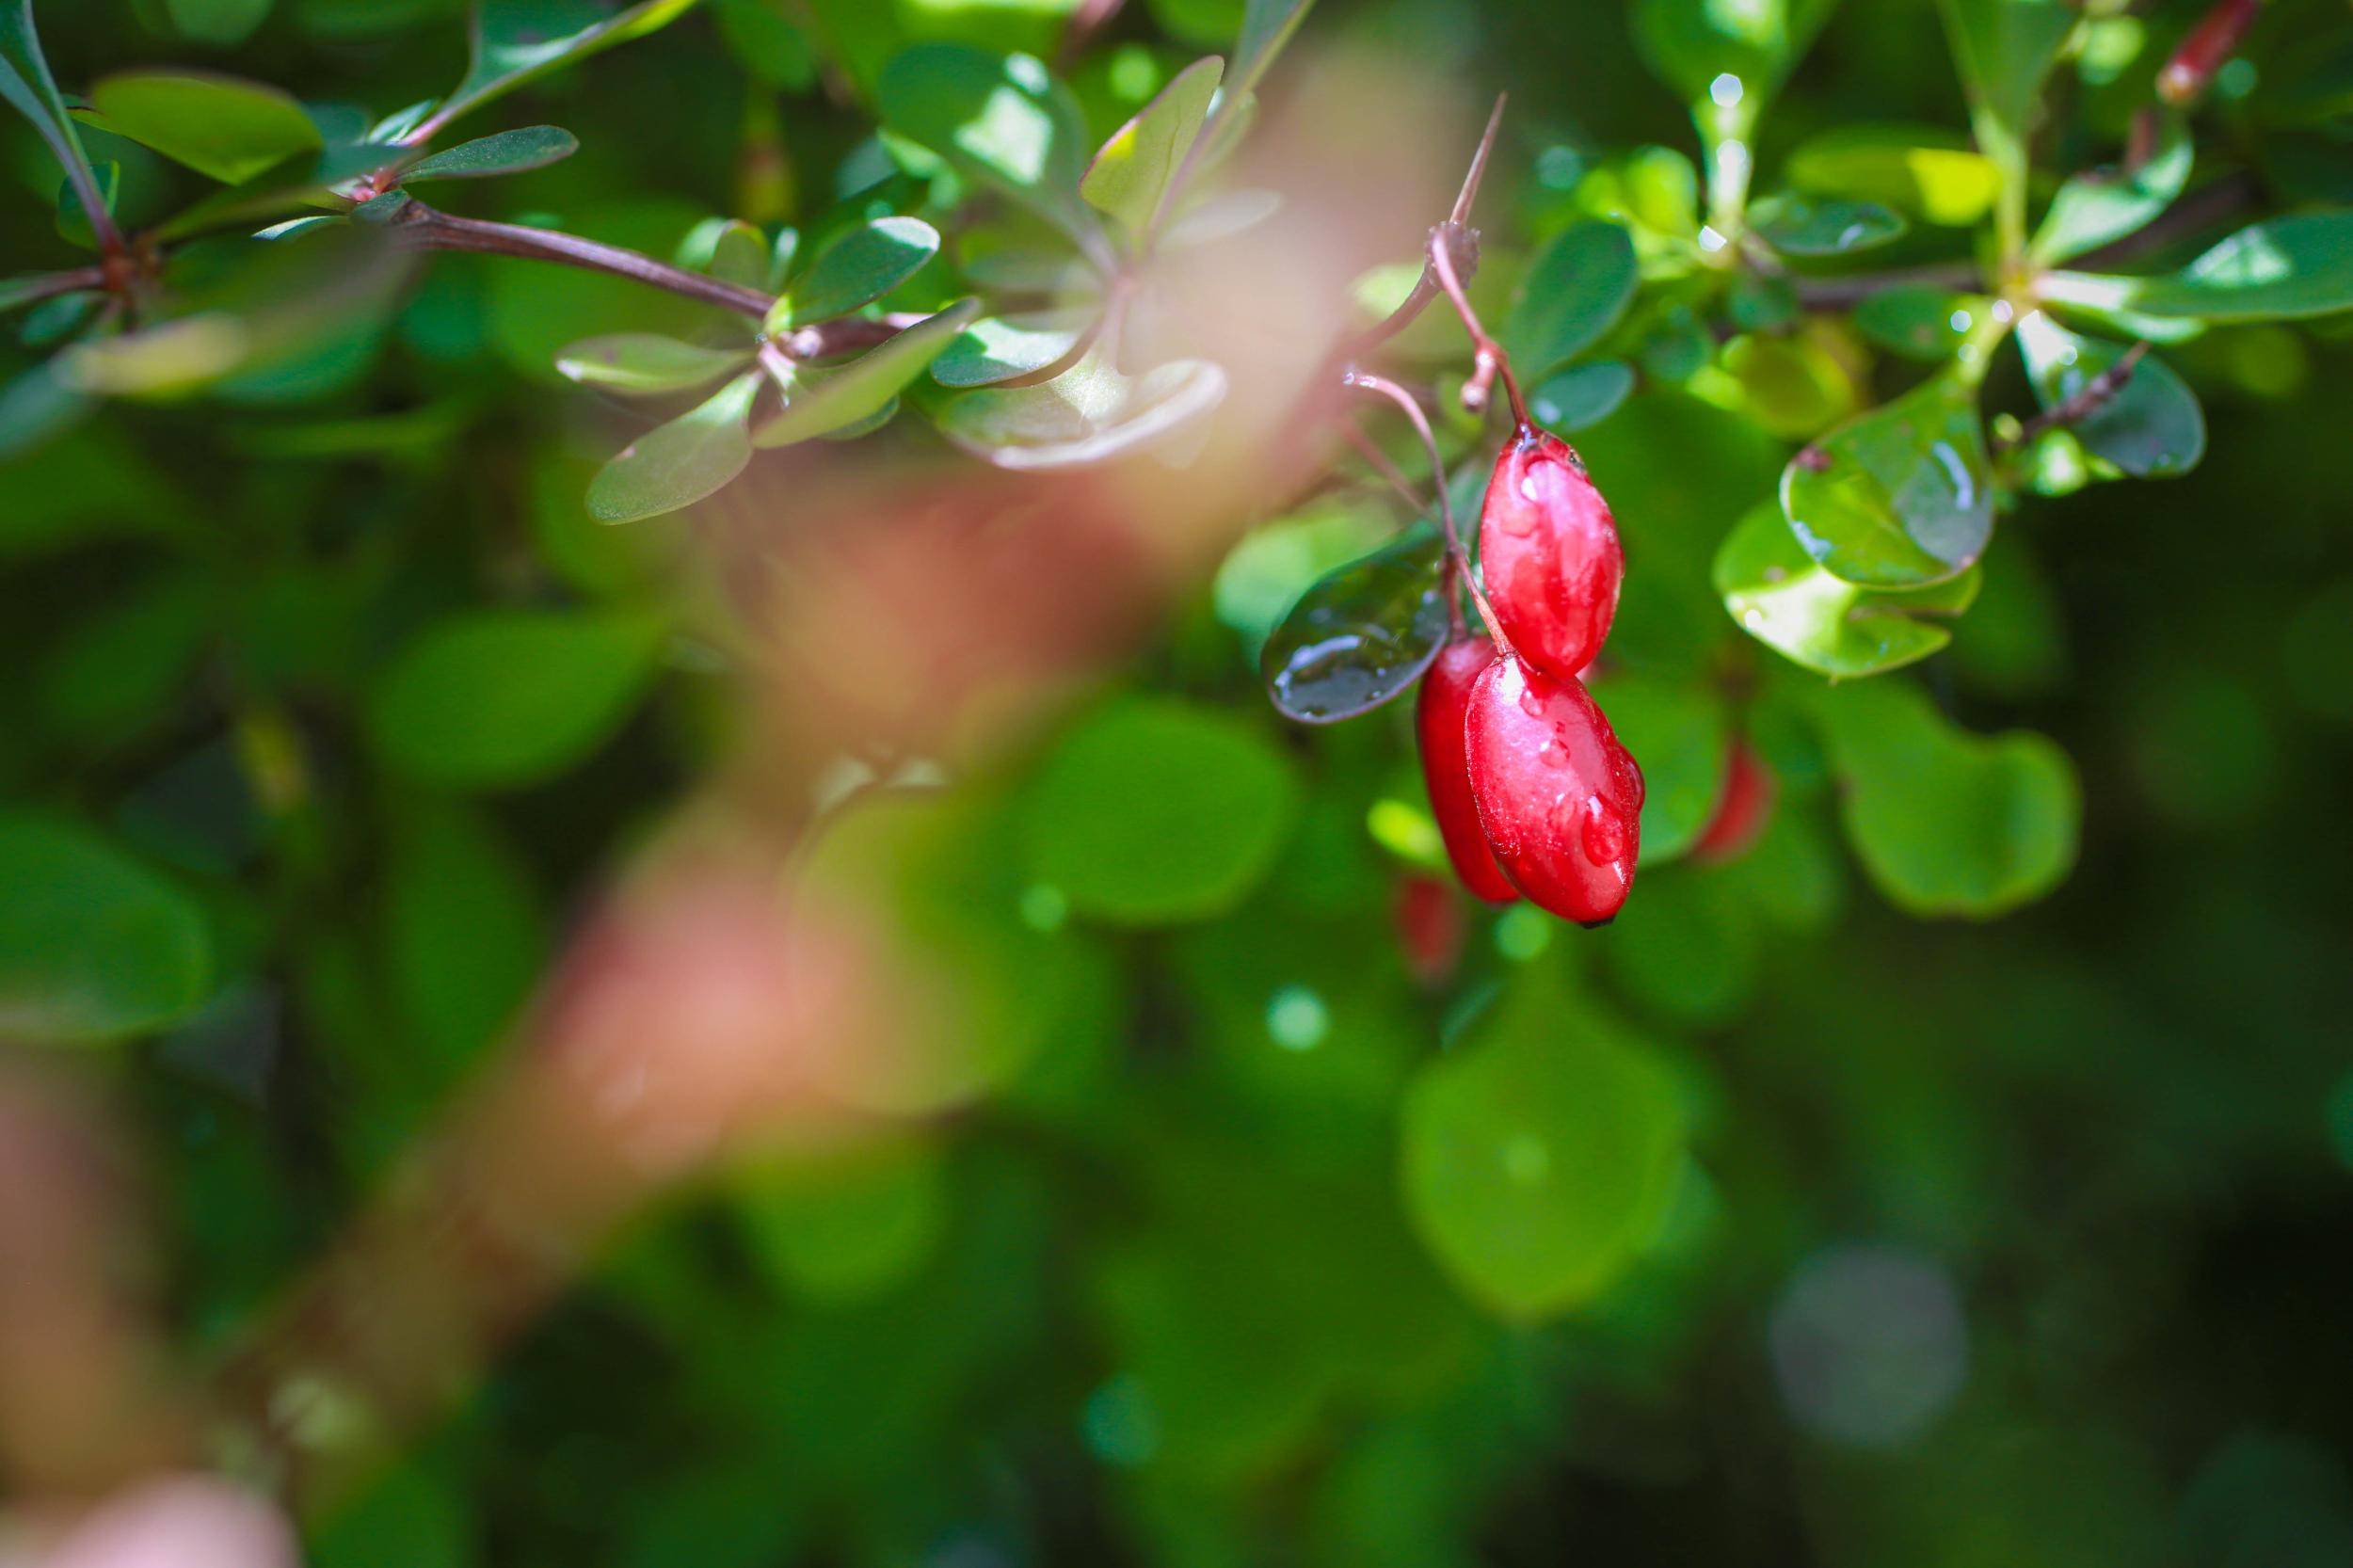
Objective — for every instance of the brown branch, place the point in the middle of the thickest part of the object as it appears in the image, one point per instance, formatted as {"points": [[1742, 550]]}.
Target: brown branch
{"points": [[1462, 247], [2088, 400], [35, 290]]}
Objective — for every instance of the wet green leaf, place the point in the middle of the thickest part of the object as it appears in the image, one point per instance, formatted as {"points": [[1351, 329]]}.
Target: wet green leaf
{"points": [[507, 152], [1918, 322], [647, 363], [1003, 349], [1574, 292], [1799, 226], [1000, 117], [93, 945], [495, 699], [220, 126], [2106, 204], [1948, 823], [1782, 599], [823, 400], [1362, 636], [1540, 1155], [1130, 176], [1690, 43], [2277, 270], [1897, 497], [857, 267], [1156, 812], [675, 465], [2153, 427]]}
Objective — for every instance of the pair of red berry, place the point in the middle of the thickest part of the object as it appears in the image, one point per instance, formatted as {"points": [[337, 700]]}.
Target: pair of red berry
{"points": [[1532, 793]]}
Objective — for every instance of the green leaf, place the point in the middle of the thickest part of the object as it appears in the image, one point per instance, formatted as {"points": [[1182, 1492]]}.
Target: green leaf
{"points": [[1581, 396], [1786, 601], [1539, 1156], [1575, 291], [1678, 733], [646, 363], [1923, 170], [1002, 119], [1897, 497], [27, 88], [1796, 225], [93, 945], [2004, 49], [822, 400], [517, 40], [502, 699], [305, 180], [857, 267], [507, 152], [1795, 386], [217, 22], [1361, 636], [1090, 414], [2151, 428], [1947, 823], [739, 254], [1918, 322], [769, 43], [465, 934], [2281, 269], [73, 221], [16, 292], [1690, 43], [846, 1225], [2104, 205], [1002, 348], [675, 465], [1131, 174], [1154, 812], [37, 406], [1274, 565], [220, 126], [1267, 26]]}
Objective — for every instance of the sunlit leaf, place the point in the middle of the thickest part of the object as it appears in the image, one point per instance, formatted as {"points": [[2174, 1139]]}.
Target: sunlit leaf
{"points": [[517, 40], [2277, 270], [1132, 173], [1796, 225], [675, 465], [2004, 49], [1003, 349], [1361, 636], [857, 267], [501, 699], [1000, 117], [1090, 414], [1267, 26], [1154, 812], [2103, 205], [507, 152], [2153, 427], [1690, 44], [1581, 396], [1948, 823], [220, 126], [1795, 386], [1897, 497], [93, 945], [823, 400], [1540, 1155], [1923, 170], [1786, 601], [647, 363], [1574, 290]]}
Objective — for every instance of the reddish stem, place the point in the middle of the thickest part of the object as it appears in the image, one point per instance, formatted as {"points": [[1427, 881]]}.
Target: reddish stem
{"points": [[2207, 48], [1492, 359], [1457, 559]]}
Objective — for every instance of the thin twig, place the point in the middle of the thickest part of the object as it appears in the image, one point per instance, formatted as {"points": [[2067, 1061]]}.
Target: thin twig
{"points": [[1458, 559], [76, 282], [1460, 234], [2088, 400], [1379, 462], [437, 231], [1491, 360]]}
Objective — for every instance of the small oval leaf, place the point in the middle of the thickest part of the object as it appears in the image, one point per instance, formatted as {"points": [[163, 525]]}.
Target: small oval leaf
{"points": [[1794, 607], [1582, 395], [1361, 636], [1004, 348], [1897, 497], [1802, 226], [1089, 414], [646, 363], [2150, 427], [509, 153], [93, 945], [1131, 174], [857, 267], [679, 463], [221, 127], [1573, 293], [824, 401]]}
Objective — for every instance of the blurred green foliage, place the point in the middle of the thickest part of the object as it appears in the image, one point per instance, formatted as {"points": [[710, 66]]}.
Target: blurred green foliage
{"points": [[1796, 1218]]}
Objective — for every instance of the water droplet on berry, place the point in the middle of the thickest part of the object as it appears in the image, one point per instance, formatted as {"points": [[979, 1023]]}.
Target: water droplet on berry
{"points": [[1604, 831]]}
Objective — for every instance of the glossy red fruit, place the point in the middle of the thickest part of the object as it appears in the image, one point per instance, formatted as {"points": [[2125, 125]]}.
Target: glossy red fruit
{"points": [[1549, 552], [1560, 799], [1439, 716], [1741, 812], [1428, 915]]}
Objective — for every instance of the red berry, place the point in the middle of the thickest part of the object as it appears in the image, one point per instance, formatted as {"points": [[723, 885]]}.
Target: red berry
{"points": [[1439, 716], [1741, 811], [1428, 915], [1560, 799], [1549, 552]]}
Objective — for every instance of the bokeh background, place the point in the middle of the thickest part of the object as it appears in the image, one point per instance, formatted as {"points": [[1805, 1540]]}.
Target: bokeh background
{"points": [[1963, 1244]]}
